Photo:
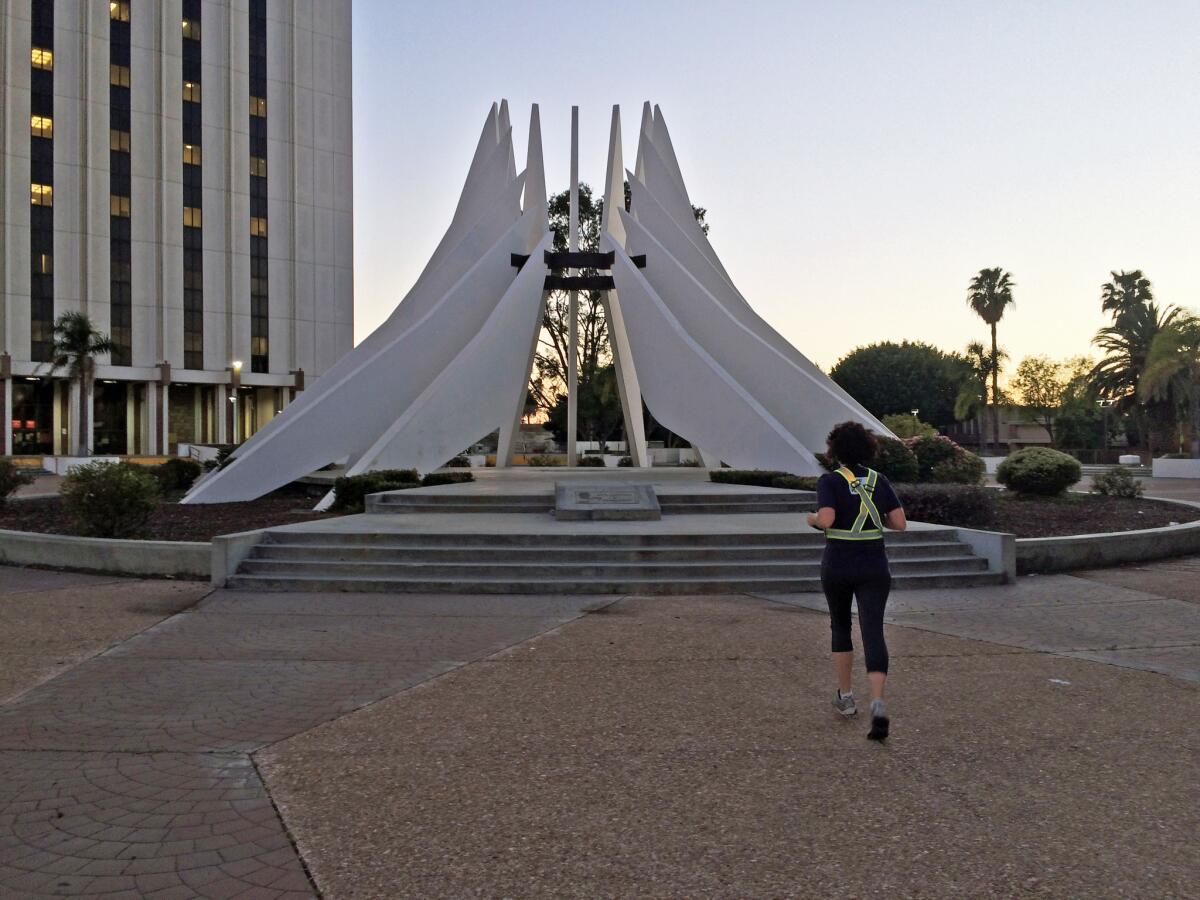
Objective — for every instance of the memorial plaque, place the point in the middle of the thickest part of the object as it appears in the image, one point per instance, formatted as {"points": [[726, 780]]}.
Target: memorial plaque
{"points": [[584, 502]]}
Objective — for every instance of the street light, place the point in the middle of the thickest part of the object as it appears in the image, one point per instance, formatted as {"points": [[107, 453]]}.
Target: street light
{"points": [[915, 428], [236, 366]]}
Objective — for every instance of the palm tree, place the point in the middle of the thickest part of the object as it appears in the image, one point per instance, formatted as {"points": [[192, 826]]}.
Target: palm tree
{"points": [[972, 399], [76, 344], [1173, 370], [1127, 291], [989, 295], [1136, 322]]}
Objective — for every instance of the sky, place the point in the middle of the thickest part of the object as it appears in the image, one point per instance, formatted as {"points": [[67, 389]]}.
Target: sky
{"points": [[859, 161]]}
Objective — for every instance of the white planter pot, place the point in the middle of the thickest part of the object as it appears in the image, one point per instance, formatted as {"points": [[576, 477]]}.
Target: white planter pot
{"points": [[1176, 468]]}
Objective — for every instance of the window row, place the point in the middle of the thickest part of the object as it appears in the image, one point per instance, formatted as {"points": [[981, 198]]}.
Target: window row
{"points": [[118, 10], [118, 76], [42, 59], [118, 206], [41, 126], [41, 195]]}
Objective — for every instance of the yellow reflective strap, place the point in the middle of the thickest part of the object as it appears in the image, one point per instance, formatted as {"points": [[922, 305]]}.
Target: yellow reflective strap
{"points": [[867, 509]]}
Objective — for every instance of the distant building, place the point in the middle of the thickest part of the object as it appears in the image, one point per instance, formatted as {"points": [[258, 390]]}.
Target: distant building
{"points": [[1016, 431], [180, 170]]}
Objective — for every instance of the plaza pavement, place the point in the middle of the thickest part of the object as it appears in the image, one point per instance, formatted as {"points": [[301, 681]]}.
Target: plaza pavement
{"points": [[274, 745]]}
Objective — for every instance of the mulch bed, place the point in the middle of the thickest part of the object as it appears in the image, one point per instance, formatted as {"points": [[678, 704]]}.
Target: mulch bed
{"points": [[1084, 514], [172, 522]]}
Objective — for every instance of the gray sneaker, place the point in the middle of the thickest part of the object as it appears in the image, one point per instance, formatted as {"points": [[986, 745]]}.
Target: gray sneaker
{"points": [[844, 704]]}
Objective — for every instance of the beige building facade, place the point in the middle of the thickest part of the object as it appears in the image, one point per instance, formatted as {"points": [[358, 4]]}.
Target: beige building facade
{"points": [[180, 171]]}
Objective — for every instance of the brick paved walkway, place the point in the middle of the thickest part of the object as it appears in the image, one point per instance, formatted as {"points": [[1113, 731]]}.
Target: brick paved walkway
{"points": [[130, 776]]}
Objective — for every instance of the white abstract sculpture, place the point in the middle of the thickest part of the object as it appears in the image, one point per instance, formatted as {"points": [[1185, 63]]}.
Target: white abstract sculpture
{"points": [[452, 362]]}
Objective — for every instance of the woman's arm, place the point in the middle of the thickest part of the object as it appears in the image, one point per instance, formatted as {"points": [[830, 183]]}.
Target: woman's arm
{"points": [[896, 520], [822, 518]]}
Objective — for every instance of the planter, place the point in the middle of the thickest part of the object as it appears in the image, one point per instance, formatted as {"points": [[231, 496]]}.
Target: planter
{"points": [[1176, 468], [180, 559]]}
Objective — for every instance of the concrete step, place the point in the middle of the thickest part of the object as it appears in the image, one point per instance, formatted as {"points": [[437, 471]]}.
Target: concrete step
{"points": [[587, 539], [747, 552], [584, 571], [328, 584], [722, 508]]}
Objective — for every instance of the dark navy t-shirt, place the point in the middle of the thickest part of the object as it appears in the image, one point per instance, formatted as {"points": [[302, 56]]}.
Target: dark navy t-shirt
{"points": [[833, 491]]}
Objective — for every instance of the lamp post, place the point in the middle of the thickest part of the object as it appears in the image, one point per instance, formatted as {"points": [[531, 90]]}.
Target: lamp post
{"points": [[235, 383], [915, 420]]}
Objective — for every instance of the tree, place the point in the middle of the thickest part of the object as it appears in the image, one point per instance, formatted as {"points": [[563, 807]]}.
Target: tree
{"points": [[972, 399], [1173, 370], [1136, 321], [598, 396], [75, 346], [889, 378], [1039, 385], [907, 426], [989, 295]]}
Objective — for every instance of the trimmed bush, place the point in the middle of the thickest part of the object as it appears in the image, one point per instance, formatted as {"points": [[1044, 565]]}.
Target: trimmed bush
{"points": [[1039, 470], [176, 474], [965, 505], [109, 499], [436, 478], [350, 491], [12, 477], [543, 461], [796, 482], [595, 462], [895, 461], [1117, 483], [752, 477], [459, 462], [625, 462], [940, 460]]}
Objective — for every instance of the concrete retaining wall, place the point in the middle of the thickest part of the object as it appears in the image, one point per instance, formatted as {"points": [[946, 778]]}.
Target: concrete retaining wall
{"points": [[181, 559], [1094, 551], [1175, 468]]}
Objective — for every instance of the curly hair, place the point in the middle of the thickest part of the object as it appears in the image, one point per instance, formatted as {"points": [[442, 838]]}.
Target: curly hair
{"points": [[851, 444]]}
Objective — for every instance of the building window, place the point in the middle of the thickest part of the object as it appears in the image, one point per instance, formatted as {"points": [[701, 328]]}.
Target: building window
{"points": [[191, 91], [118, 10], [118, 206], [258, 166], [118, 76], [41, 126], [118, 140], [41, 195], [193, 217], [43, 264], [258, 226], [191, 154], [42, 59], [258, 106], [191, 29]]}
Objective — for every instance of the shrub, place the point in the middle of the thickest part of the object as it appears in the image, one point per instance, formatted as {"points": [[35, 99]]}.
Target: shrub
{"points": [[110, 499], [940, 460], [459, 462], [753, 477], [906, 426], [796, 482], [436, 478], [592, 461], [543, 461], [692, 464], [1039, 470], [965, 505], [350, 491], [625, 462], [895, 461], [966, 468], [1117, 483], [224, 453], [176, 474], [12, 477]]}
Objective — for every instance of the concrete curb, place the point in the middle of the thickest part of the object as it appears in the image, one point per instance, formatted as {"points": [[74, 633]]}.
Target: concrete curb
{"points": [[1095, 551], [181, 559]]}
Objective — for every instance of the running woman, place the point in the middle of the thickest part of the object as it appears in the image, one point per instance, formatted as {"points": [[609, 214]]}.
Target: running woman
{"points": [[854, 505]]}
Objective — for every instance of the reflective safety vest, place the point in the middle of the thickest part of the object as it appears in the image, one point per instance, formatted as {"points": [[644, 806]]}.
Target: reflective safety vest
{"points": [[864, 490]]}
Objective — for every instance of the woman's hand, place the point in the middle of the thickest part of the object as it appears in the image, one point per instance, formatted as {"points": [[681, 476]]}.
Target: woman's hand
{"points": [[822, 518]]}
